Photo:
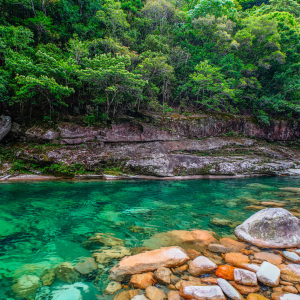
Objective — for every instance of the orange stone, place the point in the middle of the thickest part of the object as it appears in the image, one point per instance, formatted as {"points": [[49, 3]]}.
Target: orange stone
{"points": [[290, 289], [256, 297], [142, 281], [210, 280], [245, 289], [232, 244], [193, 253], [236, 259], [272, 258], [225, 272]]}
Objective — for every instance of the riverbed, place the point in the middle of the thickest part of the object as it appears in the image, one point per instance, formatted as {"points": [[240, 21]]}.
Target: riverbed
{"points": [[43, 224]]}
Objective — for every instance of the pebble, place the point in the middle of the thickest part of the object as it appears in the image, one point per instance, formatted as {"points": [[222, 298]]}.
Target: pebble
{"points": [[291, 256], [277, 296], [269, 257], [202, 292], [112, 287], [245, 277], [139, 297], [163, 275], [290, 289], [245, 289], [142, 281], [268, 274], [174, 295], [290, 273], [201, 265], [228, 289], [153, 293], [217, 248], [256, 297], [236, 259], [225, 272]]}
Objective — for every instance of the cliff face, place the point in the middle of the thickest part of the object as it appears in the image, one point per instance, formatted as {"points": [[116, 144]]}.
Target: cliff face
{"points": [[166, 129], [164, 147]]}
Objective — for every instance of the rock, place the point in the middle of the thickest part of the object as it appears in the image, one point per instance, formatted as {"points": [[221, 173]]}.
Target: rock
{"points": [[245, 277], [228, 289], [163, 275], [103, 239], [26, 286], [87, 266], [256, 297], [5, 126], [292, 256], [106, 255], [271, 228], [232, 245], [269, 257], [225, 272], [180, 270], [221, 222], [201, 265], [139, 297], [254, 207], [291, 189], [236, 259], [66, 272], [217, 248], [48, 278], [290, 273], [70, 293], [153, 293], [268, 274], [285, 283], [127, 295], [174, 295], [278, 296], [290, 289], [210, 280], [192, 253], [142, 281], [202, 292], [38, 134], [112, 287], [245, 289], [149, 261], [197, 239]]}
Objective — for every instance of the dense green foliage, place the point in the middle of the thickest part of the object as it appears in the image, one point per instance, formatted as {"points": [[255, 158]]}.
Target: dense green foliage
{"points": [[101, 58]]}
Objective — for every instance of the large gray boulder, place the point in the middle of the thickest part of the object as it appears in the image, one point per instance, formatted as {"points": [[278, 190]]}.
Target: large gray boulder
{"points": [[5, 125], [271, 228]]}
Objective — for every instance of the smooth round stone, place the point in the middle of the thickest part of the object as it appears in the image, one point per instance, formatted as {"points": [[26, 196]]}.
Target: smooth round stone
{"points": [[291, 256], [201, 265], [285, 297], [268, 274], [245, 277], [271, 228], [228, 289]]}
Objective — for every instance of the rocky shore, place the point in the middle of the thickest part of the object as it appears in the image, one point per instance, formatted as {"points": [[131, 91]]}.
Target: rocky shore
{"points": [[162, 147], [263, 264]]}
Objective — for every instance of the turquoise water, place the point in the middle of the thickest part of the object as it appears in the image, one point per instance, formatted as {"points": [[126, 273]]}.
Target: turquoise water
{"points": [[43, 224]]}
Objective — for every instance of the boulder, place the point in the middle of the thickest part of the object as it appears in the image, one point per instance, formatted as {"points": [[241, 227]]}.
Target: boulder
{"points": [[245, 277], [290, 272], [26, 286], [228, 289], [153, 293], [87, 266], [197, 239], [142, 281], [5, 126], [149, 261], [271, 228], [201, 265], [268, 274], [202, 292]]}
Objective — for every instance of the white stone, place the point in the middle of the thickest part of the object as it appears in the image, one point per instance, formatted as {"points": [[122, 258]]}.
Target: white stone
{"points": [[268, 274], [245, 277], [200, 265], [139, 297], [203, 292], [291, 256], [69, 294], [228, 289], [251, 267], [289, 297]]}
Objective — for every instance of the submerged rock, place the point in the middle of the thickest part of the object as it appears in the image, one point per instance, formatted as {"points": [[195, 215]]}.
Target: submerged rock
{"points": [[107, 255], [66, 272], [197, 239], [271, 228], [113, 287], [26, 286], [87, 266], [149, 261]]}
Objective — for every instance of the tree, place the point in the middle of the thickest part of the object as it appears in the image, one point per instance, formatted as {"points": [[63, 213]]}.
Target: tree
{"points": [[110, 82], [211, 88]]}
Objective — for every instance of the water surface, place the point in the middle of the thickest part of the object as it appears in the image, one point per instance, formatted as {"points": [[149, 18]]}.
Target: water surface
{"points": [[43, 224]]}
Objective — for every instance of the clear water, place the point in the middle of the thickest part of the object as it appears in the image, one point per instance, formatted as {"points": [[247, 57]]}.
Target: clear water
{"points": [[43, 224]]}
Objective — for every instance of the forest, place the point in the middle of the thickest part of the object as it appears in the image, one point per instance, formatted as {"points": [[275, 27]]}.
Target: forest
{"points": [[100, 59]]}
